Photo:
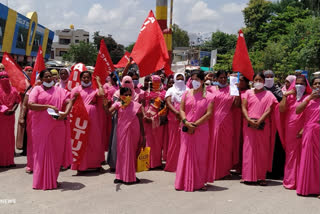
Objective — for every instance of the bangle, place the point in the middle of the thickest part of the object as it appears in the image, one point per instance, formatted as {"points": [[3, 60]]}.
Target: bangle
{"points": [[184, 121]]}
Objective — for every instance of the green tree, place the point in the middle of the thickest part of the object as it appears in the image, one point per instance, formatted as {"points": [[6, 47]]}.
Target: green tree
{"points": [[205, 62], [255, 15], [82, 52], [221, 41], [180, 37], [130, 47], [116, 50], [224, 62]]}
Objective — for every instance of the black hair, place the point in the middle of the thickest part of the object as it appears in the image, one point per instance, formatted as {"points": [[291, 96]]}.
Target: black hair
{"points": [[260, 74], [200, 74], [170, 77], [245, 79], [314, 79], [302, 77], [124, 90], [220, 73], [85, 72], [132, 73], [41, 75]]}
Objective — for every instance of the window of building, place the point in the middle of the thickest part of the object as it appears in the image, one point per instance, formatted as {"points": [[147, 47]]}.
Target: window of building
{"points": [[76, 41], [64, 41]]}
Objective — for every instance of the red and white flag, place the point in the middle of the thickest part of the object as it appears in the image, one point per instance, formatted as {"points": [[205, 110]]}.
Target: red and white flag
{"points": [[80, 125], [17, 78], [150, 51], [74, 79], [123, 61], [38, 66], [241, 61], [104, 65]]}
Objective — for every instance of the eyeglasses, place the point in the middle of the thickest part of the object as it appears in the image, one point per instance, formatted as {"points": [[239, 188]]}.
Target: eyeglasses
{"points": [[1, 68]]}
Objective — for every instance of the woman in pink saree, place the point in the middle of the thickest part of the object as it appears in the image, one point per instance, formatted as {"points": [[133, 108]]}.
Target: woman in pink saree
{"points": [[94, 154], [153, 101], [257, 105], [292, 127], [49, 135], [308, 182], [195, 111], [129, 139], [173, 99], [221, 130], [9, 100]]}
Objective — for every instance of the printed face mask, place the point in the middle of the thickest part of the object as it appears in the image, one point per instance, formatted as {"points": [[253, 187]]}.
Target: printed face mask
{"points": [[125, 100], [300, 89]]}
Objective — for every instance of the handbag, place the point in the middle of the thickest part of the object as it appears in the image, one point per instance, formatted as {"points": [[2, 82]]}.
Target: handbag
{"points": [[143, 160]]}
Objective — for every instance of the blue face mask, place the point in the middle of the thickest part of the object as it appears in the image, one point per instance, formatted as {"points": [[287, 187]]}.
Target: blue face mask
{"points": [[135, 82], [215, 83], [222, 86]]}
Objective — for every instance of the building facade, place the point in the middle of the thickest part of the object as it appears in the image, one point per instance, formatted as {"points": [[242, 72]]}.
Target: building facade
{"points": [[67, 37]]}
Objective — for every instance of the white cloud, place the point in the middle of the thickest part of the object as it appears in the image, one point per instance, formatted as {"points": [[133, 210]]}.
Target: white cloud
{"points": [[201, 12], [233, 8], [123, 18]]}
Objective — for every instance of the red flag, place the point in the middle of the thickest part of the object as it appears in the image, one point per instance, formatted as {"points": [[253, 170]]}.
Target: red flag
{"points": [[38, 66], [150, 51], [17, 78], [241, 61], [74, 79], [79, 130], [123, 61], [104, 65]]}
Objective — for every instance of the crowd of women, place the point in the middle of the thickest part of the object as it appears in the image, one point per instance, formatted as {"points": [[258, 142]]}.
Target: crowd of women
{"points": [[192, 124]]}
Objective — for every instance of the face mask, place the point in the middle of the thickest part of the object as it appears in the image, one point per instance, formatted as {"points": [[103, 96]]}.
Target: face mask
{"points": [[135, 82], [48, 85], [222, 86], [269, 82], [258, 85], [179, 83], [86, 85], [300, 89], [125, 100], [196, 84], [215, 83]]}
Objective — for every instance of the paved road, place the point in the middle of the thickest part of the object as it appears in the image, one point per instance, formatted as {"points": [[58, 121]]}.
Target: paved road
{"points": [[95, 193]]}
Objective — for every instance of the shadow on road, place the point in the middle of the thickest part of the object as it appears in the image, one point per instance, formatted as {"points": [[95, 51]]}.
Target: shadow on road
{"points": [[18, 166], [215, 188], [91, 173], [70, 186]]}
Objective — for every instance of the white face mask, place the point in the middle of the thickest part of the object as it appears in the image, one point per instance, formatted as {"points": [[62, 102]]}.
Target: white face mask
{"points": [[86, 85], [179, 83], [196, 84], [300, 89], [258, 85], [48, 85], [269, 82]]}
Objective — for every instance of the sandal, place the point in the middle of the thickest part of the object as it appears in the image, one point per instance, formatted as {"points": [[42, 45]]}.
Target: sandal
{"points": [[203, 189]]}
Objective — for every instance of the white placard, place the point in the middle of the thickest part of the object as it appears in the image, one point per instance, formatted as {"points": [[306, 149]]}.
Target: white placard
{"points": [[233, 87]]}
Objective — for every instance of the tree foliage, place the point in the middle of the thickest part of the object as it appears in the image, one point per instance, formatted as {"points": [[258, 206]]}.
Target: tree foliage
{"points": [[180, 37], [116, 50], [282, 36], [82, 52]]}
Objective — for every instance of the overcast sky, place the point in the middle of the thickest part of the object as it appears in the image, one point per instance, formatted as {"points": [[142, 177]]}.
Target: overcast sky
{"points": [[123, 18]]}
